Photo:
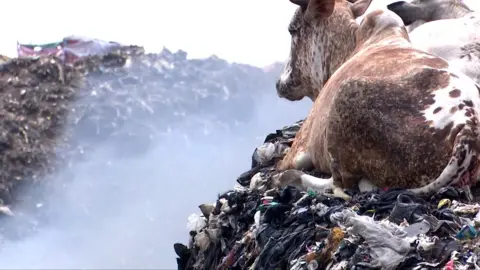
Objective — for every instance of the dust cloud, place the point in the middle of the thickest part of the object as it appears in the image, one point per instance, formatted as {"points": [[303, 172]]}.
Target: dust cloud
{"points": [[120, 212]]}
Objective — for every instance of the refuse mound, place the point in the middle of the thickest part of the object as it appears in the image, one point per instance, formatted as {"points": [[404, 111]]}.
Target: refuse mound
{"points": [[154, 94], [255, 226], [36, 98], [56, 114]]}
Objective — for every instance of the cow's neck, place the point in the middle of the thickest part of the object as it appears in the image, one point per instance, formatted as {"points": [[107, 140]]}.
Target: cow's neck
{"points": [[336, 48]]}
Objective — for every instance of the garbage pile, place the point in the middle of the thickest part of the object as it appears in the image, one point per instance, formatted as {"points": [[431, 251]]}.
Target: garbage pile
{"points": [[154, 94], [37, 95], [54, 114], [255, 226]]}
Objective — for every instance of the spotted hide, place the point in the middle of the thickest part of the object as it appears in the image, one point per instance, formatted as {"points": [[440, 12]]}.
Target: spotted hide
{"points": [[391, 114]]}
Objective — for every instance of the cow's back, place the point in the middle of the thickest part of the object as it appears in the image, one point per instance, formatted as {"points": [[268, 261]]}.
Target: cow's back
{"points": [[384, 115]]}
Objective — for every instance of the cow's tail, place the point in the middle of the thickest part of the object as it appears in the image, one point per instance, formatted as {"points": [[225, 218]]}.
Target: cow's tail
{"points": [[463, 165]]}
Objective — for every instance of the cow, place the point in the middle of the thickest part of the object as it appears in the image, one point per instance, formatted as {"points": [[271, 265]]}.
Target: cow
{"points": [[419, 12], [456, 40], [383, 111], [422, 11]]}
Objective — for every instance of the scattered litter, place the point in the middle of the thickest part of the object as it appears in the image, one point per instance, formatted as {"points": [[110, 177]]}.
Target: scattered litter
{"points": [[263, 228]]}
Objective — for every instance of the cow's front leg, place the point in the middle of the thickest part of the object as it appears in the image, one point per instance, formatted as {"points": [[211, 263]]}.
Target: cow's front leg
{"points": [[339, 193], [305, 182], [341, 180]]}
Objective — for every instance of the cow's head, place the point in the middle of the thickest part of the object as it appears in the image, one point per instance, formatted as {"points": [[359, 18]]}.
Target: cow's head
{"points": [[322, 36], [428, 10]]}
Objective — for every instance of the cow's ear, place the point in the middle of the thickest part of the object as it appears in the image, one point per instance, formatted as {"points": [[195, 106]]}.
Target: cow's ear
{"points": [[318, 9], [359, 7]]}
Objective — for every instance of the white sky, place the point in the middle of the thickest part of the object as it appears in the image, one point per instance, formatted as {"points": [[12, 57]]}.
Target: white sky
{"points": [[245, 31]]}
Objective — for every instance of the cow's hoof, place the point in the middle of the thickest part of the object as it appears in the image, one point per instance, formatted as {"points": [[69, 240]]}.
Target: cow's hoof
{"points": [[339, 193]]}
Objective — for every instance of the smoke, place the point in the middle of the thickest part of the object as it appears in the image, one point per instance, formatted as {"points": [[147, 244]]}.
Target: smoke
{"points": [[113, 212]]}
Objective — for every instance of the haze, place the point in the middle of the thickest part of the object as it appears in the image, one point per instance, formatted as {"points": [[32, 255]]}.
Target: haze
{"points": [[129, 214]]}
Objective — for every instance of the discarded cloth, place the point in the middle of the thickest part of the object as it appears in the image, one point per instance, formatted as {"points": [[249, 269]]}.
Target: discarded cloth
{"points": [[258, 227]]}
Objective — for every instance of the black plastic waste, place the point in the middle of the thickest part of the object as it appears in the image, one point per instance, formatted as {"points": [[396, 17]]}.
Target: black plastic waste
{"points": [[286, 226]]}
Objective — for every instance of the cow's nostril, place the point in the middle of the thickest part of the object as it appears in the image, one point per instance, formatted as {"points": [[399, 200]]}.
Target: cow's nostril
{"points": [[277, 85]]}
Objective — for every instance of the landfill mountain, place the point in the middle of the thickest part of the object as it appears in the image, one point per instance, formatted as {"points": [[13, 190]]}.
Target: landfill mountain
{"points": [[127, 101], [258, 225]]}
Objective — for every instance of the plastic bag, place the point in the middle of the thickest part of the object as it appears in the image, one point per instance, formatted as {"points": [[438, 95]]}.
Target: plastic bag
{"points": [[196, 222]]}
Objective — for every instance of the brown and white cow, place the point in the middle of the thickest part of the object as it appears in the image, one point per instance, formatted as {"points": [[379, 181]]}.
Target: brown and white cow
{"points": [[384, 111]]}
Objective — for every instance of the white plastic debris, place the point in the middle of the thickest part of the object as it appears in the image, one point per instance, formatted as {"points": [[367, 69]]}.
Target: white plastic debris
{"points": [[265, 152], [386, 240], [6, 210], [476, 219], [196, 222], [256, 182], [256, 218], [202, 241]]}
